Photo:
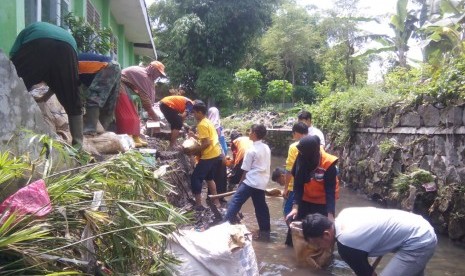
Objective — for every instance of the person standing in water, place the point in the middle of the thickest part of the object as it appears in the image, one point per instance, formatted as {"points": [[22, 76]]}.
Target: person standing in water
{"points": [[373, 232], [256, 166]]}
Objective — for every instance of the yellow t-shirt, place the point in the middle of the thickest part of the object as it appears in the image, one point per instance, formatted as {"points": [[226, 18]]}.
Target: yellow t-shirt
{"points": [[206, 129], [291, 157]]}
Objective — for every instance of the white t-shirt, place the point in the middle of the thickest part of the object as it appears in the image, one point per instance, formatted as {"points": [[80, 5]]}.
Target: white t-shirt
{"points": [[380, 231], [257, 163], [315, 131]]}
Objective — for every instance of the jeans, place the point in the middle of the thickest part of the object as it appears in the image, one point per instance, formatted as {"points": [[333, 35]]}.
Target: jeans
{"points": [[243, 193], [287, 205], [410, 262]]}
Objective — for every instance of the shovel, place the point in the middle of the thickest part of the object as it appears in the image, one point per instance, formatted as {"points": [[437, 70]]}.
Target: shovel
{"points": [[269, 192]]}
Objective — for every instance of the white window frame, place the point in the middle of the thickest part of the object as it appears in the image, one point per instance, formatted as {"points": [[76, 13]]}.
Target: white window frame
{"points": [[58, 9]]}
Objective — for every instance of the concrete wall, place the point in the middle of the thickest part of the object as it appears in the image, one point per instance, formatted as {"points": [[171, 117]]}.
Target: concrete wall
{"points": [[398, 141]]}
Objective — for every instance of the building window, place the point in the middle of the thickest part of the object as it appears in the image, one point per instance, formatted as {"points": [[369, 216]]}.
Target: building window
{"points": [[64, 10], [52, 11], [93, 17], [31, 11]]}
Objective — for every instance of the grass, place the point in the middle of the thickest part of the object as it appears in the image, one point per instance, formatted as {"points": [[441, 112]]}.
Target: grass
{"points": [[402, 182]]}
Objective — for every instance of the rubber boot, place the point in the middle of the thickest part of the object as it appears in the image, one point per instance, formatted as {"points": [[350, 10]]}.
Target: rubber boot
{"points": [[139, 142], [75, 127], [105, 119], [91, 120]]}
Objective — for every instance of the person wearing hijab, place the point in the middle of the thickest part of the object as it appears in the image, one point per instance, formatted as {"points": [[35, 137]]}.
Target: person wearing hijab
{"points": [[221, 175], [316, 186], [214, 117], [137, 82], [43, 52]]}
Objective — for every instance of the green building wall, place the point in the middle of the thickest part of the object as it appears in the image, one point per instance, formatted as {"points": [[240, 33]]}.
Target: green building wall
{"points": [[78, 8], [12, 21]]}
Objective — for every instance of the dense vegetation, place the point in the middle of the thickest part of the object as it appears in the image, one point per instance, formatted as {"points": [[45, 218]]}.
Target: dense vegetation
{"points": [[238, 55], [232, 54], [123, 231]]}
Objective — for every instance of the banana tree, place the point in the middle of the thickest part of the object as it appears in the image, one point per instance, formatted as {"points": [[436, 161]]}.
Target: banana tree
{"points": [[444, 31], [403, 23]]}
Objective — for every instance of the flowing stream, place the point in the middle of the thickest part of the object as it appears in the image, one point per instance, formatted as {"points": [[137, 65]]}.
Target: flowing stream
{"points": [[275, 258]]}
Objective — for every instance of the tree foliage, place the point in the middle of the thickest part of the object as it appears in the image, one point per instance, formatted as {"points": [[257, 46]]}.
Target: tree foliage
{"points": [[192, 35], [214, 84], [291, 42], [247, 84], [442, 30], [89, 39], [404, 25], [278, 91], [342, 27]]}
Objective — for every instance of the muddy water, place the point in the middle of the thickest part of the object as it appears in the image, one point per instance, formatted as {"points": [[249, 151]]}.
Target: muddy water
{"points": [[274, 258]]}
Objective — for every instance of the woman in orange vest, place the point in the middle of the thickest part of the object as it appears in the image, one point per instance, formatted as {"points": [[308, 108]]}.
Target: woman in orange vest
{"points": [[316, 184]]}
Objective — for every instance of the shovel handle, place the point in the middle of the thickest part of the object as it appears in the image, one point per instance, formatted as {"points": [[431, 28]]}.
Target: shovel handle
{"points": [[376, 262], [221, 195]]}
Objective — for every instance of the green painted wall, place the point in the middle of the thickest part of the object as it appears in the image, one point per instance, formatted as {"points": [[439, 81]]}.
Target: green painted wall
{"points": [[11, 23], [79, 8], [121, 45], [131, 54], [127, 53], [106, 14], [113, 24]]}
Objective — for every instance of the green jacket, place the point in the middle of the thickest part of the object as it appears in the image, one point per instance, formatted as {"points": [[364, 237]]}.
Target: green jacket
{"points": [[42, 30]]}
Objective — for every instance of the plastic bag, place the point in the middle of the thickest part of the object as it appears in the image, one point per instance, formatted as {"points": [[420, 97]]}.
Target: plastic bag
{"points": [[32, 199], [106, 143], [224, 245]]}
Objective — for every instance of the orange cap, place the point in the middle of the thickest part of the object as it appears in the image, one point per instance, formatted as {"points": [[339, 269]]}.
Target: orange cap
{"points": [[159, 66]]}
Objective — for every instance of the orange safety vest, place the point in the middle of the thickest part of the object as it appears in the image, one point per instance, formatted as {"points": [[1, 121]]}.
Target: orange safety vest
{"points": [[91, 67], [242, 144], [314, 190], [177, 103]]}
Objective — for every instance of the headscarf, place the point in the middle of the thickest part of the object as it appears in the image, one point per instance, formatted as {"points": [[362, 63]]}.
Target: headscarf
{"points": [[305, 164], [141, 80], [143, 77], [214, 116], [308, 158]]}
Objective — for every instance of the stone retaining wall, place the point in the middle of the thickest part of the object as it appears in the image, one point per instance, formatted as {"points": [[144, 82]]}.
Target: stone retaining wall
{"points": [[399, 141], [278, 140]]}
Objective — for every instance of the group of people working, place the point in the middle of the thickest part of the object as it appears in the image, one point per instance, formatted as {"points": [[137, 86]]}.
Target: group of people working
{"points": [[311, 188], [46, 53]]}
